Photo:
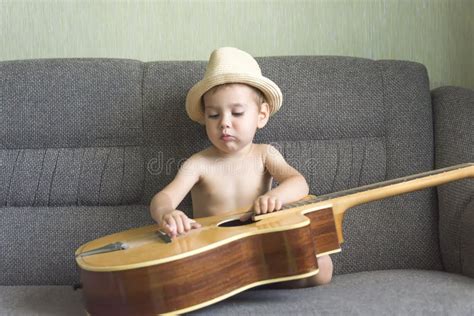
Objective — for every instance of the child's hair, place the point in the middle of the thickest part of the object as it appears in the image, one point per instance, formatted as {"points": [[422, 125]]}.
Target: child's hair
{"points": [[260, 96]]}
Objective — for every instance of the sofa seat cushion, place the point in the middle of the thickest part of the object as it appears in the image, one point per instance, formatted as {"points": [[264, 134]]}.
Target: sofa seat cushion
{"points": [[40, 300], [399, 292]]}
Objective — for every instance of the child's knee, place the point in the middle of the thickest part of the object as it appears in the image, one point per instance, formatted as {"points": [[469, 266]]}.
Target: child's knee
{"points": [[325, 271], [323, 277], [325, 263]]}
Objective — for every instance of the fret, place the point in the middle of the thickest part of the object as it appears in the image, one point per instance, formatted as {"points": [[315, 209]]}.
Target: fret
{"points": [[343, 200], [374, 186]]}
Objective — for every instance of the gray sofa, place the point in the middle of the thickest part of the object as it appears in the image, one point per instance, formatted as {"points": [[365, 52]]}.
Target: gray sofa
{"points": [[85, 143]]}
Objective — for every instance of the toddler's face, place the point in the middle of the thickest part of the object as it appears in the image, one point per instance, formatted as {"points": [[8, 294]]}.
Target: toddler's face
{"points": [[232, 115]]}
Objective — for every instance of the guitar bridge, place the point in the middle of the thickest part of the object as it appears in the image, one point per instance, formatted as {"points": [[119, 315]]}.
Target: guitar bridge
{"points": [[107, 248]]}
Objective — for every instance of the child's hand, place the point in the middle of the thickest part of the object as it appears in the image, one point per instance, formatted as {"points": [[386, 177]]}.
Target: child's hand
{"points": [[177, 223], [267, 204]]}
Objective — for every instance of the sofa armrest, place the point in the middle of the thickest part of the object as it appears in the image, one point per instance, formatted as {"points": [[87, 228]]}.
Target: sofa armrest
{"points": [[454, 144]]}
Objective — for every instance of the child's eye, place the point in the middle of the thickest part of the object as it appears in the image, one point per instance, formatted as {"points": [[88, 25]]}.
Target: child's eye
{"points": [[213, 116], [238, 113]]}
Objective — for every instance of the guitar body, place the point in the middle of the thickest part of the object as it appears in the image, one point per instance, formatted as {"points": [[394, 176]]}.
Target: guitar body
{"points": [[138, 272], [202, 267]]}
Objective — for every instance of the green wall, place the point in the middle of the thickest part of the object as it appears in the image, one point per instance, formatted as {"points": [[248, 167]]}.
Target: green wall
{"points": [[437, 33]]}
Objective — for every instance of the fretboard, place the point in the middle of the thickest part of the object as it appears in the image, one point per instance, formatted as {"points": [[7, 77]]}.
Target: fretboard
{"points": [[374, 186]]}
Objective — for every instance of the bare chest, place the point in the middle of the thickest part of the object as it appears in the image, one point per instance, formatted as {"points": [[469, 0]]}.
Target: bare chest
{"points": [[228, 187]]}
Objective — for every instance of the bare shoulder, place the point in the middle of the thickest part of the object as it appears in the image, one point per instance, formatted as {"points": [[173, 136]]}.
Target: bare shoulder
{"points": [[272, 159], [263, 149], [276, 163], [204, 156], [197, 161], [269, 152]]}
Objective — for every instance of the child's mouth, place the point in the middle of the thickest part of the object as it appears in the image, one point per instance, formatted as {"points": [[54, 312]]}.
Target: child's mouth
{"points": [[227, 138]]}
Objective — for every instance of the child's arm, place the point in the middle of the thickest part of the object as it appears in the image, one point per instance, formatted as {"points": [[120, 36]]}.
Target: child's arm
{"points": [[292, 185], [163, 205]]}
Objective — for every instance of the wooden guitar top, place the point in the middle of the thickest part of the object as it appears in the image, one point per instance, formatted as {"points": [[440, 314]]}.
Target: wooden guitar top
{"points": [[145, 247]]}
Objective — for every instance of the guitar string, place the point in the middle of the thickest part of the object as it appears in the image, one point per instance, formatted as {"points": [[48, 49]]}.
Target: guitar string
{"points": [[153, 236]]}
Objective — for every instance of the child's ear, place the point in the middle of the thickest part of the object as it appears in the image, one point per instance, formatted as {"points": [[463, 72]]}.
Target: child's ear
{"points": [[263, 115]]}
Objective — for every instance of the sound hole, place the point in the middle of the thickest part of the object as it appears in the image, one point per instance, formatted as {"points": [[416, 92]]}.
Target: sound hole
{"points": [[236, 222]]}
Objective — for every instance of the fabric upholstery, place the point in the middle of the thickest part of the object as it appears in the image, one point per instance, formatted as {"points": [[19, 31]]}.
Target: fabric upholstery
{"points": [[45, 300], [38, 243], [71, 132], [70, 103], [170, 136], [396, 292], [71, 176], [454, 135]]}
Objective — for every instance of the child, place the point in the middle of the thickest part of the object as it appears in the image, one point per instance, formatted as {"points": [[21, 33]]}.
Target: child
{"points": [[233, 100]]}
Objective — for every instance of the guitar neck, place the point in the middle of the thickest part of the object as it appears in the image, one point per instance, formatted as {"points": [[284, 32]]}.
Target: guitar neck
{"points": [[341, 201], [398, 186]]}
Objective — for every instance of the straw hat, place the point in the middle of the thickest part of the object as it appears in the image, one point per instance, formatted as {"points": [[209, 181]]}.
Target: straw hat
{"points": [[231, 65]]}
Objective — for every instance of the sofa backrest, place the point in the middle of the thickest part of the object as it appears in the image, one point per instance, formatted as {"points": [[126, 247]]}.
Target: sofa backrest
{"points": [[87, 142], [72, 132]]}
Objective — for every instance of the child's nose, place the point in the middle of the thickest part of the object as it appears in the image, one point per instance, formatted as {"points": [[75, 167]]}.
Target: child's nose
{"points": [[225, 122]]}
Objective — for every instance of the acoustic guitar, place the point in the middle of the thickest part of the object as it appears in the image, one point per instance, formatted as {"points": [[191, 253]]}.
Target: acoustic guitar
{"points": [[143, 272]]}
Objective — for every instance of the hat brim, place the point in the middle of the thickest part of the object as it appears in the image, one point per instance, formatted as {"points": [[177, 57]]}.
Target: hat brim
{"points": [[270, 90]]}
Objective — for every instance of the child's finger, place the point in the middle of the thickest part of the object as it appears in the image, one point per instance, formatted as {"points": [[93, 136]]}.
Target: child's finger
{"points": [[245, 217], [270, 204], [195, 224], [186, 222], [278, 205], [167, 229], [256, 207], [170, 227], [263, 205], [179, 224]]}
